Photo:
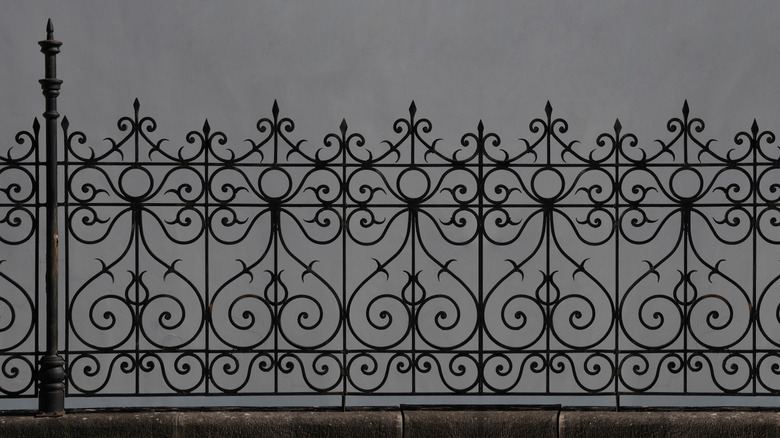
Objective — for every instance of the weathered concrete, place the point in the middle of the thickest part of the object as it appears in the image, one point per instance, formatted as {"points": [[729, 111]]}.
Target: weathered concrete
{"points": [[299, 424], [673, 424], [217, 424], [92, 424], [481, 423], [405, 422]]}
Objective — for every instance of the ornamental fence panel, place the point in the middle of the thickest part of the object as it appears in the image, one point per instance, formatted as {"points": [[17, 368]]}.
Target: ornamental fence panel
{"points": [[412, 266]]}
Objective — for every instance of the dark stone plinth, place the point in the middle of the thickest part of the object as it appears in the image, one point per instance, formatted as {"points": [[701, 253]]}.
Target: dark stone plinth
{"points": [[480, 423], [92, 424], [582, 424], [406, 423], [299, 424]]}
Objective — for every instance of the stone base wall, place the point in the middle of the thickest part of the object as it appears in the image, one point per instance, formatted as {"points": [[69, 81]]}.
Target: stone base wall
{"points": [[403, 422]]}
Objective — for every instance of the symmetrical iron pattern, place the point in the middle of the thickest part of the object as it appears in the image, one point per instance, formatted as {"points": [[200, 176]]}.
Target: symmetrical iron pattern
{"points": [[413, 266]]}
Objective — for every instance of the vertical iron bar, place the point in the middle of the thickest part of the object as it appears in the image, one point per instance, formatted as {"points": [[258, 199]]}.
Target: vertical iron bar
{"points": [[136, 231], [51, 373], [207, 266], [685, 224], [546, 231], [275, 236], [343, 309], [66, 206], [480, 252], [412, 233], [616, 229], [37, 283], [548, 308], [754, 246]]}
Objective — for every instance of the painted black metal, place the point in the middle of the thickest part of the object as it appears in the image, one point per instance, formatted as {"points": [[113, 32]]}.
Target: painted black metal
{"points": [[409, 266], [51, 372]]}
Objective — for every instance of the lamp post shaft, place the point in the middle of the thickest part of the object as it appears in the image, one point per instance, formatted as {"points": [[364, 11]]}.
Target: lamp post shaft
{"points": [[51, 370]]}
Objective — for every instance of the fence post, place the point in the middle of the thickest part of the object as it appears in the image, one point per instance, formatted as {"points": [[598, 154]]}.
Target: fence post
{"points": [[51, 370]]}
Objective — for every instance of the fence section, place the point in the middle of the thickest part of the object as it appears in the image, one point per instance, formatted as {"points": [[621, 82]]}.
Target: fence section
{"points": [[411, 266]]}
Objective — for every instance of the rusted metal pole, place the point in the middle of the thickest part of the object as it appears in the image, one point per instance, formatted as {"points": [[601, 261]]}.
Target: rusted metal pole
{"points": [[51, 371]]}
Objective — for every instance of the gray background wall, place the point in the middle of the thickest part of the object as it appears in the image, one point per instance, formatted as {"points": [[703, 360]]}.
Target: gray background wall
{"points": [[366, 60]]}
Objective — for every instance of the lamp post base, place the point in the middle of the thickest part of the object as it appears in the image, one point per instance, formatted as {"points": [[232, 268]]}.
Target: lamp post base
{"points": [[51, 389]]}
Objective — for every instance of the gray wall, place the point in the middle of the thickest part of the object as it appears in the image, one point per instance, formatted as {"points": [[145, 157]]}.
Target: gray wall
{"points": [[366, 60]]}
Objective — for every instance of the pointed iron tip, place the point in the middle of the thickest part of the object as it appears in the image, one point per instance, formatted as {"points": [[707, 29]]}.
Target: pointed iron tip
{"points": [[413, 108], [686, 109], [206, 126], [548, 109], [65, 123], [481, 126], [275, 108], [136, 104], [343, 126], [49, 30], [754, 127], [618, 126]]}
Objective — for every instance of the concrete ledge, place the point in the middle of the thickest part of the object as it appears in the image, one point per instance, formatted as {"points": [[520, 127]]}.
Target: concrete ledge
{"points": [[669, 424], [97, 424], [404, 422], [480, 423], [217, 424], [291, 424]]}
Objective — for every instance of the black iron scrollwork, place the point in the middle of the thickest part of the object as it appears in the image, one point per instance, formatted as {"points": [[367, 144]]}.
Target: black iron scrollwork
{"points": [[20, 169], [414, 265]]}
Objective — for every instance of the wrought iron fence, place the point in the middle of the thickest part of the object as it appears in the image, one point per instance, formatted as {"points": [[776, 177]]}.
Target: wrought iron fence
{"points": [[412, 266]]}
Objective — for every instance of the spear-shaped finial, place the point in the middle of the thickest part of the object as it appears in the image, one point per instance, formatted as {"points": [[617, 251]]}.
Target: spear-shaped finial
{"points": [[49, 30]]}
